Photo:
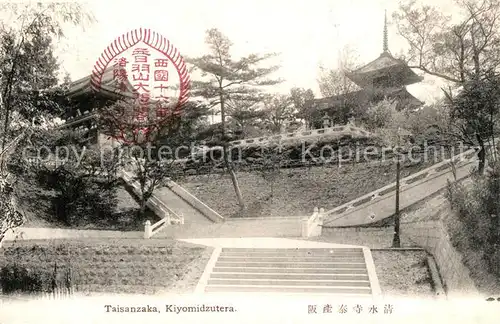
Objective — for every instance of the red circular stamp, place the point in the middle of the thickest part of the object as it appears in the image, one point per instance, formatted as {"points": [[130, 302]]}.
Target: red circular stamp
{"points": [[149, 76]]}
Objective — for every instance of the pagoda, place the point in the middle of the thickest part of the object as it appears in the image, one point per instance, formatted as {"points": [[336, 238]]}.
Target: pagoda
{"points": [[85, 103], [383, 78]]}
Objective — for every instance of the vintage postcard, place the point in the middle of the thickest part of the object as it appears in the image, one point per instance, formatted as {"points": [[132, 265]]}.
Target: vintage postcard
{"points": [[261, 161]]}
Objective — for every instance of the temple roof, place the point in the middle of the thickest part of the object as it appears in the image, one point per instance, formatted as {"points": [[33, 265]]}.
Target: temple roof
{"points": [[384, 65], [108, 86], [365, 97]]}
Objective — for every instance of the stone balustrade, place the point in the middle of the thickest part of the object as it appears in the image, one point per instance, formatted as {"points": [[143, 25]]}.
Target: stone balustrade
{"points": [[312, 226]]}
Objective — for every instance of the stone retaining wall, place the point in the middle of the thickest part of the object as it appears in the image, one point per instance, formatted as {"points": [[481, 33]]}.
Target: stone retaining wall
{"points": [[432, 236]]}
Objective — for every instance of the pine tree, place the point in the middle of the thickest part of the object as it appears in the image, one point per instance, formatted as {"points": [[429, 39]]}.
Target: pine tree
{"points": [[229, 79]]}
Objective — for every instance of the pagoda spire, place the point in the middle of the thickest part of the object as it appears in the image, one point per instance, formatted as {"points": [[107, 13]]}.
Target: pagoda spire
{"points": [[386, 41]]}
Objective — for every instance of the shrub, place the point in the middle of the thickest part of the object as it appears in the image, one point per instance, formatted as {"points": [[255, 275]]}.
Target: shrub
{"points": [[15, 279], [477, 207]]}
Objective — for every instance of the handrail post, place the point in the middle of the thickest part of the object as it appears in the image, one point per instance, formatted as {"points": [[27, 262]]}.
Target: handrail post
{"points": [[147, 229]]}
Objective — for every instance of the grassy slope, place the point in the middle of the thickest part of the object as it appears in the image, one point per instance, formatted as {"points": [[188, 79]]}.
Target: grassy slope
{"points": [[403, 273], [296, 191], [113, 266]]}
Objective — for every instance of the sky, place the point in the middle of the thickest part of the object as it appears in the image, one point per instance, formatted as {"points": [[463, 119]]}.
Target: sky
{"points": [[307, 34]]}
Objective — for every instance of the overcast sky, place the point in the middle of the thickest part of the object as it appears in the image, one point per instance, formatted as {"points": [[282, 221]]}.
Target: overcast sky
{"points": [[306, 33]]}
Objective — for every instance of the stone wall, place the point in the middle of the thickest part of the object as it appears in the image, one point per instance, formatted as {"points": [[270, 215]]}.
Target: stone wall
{"points": [[432, 236]]}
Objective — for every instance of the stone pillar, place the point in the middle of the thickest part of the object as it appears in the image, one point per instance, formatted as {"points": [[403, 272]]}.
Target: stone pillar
{"points": [[147, 229], [326, 121]]}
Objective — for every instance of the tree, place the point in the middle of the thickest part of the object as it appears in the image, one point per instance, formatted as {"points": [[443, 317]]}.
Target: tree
{"points": [[279, 109], [272, 158], [82, 180], [382, 116], [462, 53], [475, 112], [335, 83], [27, 64], [150, 157], [229, 79], [149, 172], [10, 217], [452, 51], [248, 114], [302, 100]]}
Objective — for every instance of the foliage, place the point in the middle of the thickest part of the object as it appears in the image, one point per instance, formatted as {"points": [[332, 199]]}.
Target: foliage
{"points": [[334, 82], [301, 99], [478, 209], [475, 111], [248, 116], [383, 117], [279, 110], [430, 124], [150, 156], [27, 65], [270, 170], [453, 50], [16, 278], [227, 79], [83, 179]]}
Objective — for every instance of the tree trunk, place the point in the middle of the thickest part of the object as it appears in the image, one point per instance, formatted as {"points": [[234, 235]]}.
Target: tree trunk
{"points": [[481, 155], [227, 162], [236, 186], [142, 208], [396, 242]]}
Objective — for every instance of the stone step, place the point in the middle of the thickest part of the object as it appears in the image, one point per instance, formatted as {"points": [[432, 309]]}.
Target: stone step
{"points": [[359, 259], [288, 265], [287, 250], [287, 276], [222, 269], [307, 283], [293, 254], [285, 289]]}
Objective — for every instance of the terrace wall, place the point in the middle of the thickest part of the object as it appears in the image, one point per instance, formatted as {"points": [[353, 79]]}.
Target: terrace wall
{"points": [[432, 236]]}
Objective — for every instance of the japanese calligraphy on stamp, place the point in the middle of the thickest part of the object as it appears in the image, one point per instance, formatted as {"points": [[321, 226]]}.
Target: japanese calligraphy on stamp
{"points": [[150, 73]]}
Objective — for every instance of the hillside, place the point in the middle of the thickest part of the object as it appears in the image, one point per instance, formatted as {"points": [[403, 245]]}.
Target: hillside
{"points": [[294, 192]]}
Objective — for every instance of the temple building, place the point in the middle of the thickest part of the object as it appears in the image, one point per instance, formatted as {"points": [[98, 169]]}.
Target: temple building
{"points": [[84, 104], [383, 78]]}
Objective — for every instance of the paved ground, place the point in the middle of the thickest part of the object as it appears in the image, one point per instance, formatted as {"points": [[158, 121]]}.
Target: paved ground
{"points": [[263, 242]]}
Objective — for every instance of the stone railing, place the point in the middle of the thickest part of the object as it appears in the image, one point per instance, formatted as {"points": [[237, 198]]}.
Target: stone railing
{"points": [[155, 204], [152, 229], [413, 180], [194, 202], [336, 130], [311, 226]]}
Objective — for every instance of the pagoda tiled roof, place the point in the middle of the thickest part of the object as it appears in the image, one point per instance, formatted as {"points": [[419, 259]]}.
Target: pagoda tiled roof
{"points": [[385, 63], [83, 85], [364, 96], [385, 60]]}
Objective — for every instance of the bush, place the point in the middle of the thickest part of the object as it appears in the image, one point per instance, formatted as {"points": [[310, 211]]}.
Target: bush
{"points": [[478, 209], [82, 200], [16, 279]]}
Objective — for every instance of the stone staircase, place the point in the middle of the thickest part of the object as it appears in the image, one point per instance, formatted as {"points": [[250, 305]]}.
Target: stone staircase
{"points": [[336, 270]]}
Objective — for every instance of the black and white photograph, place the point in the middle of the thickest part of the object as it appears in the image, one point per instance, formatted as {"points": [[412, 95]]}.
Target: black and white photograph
{"points": [[261, 161]]}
